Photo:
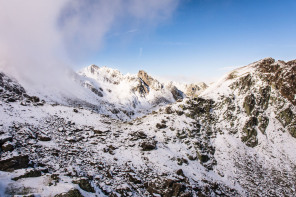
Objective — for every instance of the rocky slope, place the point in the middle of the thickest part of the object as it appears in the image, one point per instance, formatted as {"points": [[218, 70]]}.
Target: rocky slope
{"points": [[236, 139]]}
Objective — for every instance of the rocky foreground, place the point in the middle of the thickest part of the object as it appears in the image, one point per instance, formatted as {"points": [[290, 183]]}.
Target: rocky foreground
{"points": [[236, 139]]}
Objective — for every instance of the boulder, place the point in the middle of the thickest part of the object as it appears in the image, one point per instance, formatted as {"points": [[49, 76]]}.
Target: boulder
{"points": [[7, 146], [85, 185], [161, 125], [148, 145], [180, 172], [32, 173], [4, 139], [14, 163], [35, 99], [44, 138], [71, 193]]}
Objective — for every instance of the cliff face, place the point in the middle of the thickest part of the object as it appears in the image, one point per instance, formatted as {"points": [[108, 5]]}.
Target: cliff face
{"points": [[280, 75], [193, 90], [148, 82]]}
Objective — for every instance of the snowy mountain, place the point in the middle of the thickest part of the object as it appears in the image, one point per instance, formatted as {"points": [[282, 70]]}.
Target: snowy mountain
{"points": [[237, 138], [106, 91], [132, 95]]}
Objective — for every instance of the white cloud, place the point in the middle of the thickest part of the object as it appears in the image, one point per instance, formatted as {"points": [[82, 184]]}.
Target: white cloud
{"points": [[84, 24], [132, 30], [30, 45], [36, 36]]}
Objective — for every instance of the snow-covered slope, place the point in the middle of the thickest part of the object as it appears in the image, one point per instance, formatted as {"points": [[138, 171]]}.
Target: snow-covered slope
{"points": [[236, 139]]}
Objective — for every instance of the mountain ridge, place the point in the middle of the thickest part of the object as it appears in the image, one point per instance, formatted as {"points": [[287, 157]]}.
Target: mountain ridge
{"points": [[237, 138]]}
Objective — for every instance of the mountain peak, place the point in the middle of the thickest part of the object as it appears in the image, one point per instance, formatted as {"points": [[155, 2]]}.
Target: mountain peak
{"points": [[281, 76], [93, 68]]}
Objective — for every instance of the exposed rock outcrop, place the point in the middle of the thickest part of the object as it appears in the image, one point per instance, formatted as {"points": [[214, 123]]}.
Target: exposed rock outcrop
{"points": [[281, 76], [14, 163], [195, 89], [149, 82]]}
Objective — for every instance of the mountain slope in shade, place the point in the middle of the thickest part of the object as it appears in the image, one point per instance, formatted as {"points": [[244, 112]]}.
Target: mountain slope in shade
{"points": [[235, 139]]}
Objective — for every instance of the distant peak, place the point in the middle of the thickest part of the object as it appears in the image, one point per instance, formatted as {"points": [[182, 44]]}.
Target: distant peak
{"points": [[145, 77], [267, 60], [93, 68]]}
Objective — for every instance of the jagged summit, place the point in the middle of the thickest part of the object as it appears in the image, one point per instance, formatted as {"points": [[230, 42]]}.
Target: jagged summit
{"points": [[137, 92], [281, 76], [149, 82]]}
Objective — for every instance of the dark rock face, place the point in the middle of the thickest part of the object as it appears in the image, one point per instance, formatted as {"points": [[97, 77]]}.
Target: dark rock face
{"points": [[11, 85], [179, 187], [168, 110], [14, 163], [5, 139], [71, 193], [250, 133], [134, 179], [7, 146], [35, 99], [44, 138], [263, 123], [177, 94], [161, 125], [148, 82], [200, 107], [286, 116], [288, 119], [148, 145], [180, 172], [85, 185], [98, 92], [33, 173], [174, 188], [243, 84], [145, 77], [142, 88], [264, 97], [93, 68], [10, 90], [138, 135], [281, 77], [249, 104]]}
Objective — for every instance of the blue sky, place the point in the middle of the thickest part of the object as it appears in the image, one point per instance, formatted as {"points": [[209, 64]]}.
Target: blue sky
{"points": [[197, 40], [202, 38]]}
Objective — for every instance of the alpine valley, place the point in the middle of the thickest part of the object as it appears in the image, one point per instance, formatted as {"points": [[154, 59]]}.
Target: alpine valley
{"points": [[132, 135]]}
